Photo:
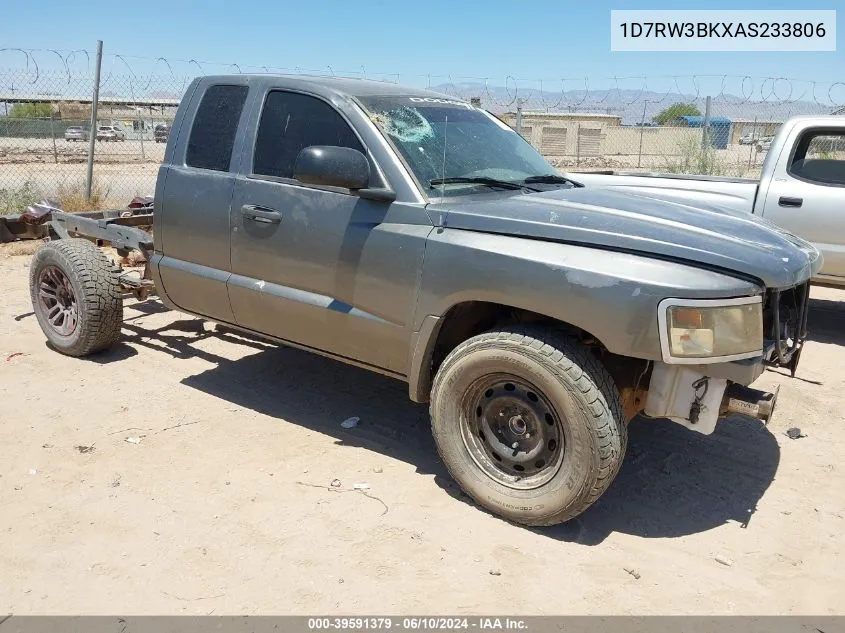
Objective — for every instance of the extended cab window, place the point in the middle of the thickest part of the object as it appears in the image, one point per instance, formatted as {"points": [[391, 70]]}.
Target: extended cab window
{"points": [[215, 124], [291, 122], [820, 157]]}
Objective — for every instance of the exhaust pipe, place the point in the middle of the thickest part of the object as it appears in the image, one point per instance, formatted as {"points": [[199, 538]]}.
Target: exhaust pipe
{"points": [[747, 401]]}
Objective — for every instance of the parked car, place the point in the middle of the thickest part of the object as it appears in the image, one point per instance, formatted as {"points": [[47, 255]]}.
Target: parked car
{"points": [[76, 133], [415, 235], [801, 188], [161, 133], [765, 143], [110, 133], [749, 138]]}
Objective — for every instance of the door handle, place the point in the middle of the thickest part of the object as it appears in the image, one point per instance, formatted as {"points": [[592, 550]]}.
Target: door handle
{"points": [[261, 214], [786, 201]]}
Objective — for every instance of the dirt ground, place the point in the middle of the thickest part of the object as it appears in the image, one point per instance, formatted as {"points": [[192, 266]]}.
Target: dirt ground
{"points": [[225, 502]]}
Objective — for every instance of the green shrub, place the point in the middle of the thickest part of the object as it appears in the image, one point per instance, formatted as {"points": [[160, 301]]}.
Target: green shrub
{"points": [[694, 159], [13, 201]]}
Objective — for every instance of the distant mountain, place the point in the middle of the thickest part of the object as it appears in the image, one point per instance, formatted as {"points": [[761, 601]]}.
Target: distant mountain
{"points": [[163, 94], [628, 104]]}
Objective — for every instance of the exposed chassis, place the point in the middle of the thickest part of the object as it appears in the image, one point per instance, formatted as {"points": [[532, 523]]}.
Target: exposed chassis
{"points": [[119, 229]]}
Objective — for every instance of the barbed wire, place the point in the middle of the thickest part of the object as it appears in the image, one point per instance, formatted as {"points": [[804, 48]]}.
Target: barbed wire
{"points": [[504, 92], [46, 71]]}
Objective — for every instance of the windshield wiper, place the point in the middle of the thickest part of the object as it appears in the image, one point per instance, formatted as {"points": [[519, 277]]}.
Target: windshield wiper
{"points": [[478, 180], [551, 179]]}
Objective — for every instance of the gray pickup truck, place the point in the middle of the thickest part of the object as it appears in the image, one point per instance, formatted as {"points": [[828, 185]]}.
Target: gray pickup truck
{"points": [[415, 235], [801, 188]]}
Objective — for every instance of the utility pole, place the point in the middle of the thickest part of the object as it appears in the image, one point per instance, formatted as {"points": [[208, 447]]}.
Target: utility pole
{"points": [[92, 135]]}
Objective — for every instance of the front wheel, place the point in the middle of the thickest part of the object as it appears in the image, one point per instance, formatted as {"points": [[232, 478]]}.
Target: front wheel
{"points": [[529, 423], [75, 296]]}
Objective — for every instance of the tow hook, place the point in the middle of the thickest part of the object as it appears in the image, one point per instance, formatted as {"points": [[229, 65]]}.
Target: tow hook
{"points": [[751, 402]]}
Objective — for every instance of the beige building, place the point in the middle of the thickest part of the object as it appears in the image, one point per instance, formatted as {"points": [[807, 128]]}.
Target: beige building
{"points": [[565, 133]]}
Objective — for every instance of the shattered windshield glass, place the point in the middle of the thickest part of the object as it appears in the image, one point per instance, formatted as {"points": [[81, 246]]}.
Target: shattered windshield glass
{"points": [[441, 139]]}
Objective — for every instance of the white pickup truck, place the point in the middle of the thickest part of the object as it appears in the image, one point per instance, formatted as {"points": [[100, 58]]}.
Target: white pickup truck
{"points": [[801, 188]]}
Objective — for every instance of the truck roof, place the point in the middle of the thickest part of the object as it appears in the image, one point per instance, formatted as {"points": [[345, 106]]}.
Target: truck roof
{"points": [[836, 120], [350, 86]]}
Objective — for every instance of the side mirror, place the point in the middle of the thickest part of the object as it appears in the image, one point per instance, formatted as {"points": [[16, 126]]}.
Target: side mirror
{"points": [[332, 166]]}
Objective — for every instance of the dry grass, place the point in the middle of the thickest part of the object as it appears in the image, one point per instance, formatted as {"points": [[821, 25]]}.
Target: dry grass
{"points": [[71, 196], [695, 159]]}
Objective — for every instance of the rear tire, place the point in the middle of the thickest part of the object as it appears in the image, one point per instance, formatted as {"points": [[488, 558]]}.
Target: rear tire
{"points": [[545, 396], [75, 296]]}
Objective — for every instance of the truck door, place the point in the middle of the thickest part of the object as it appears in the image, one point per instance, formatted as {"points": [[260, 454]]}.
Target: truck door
{"points": [[806, 195], [192, 212], [319, 266]]}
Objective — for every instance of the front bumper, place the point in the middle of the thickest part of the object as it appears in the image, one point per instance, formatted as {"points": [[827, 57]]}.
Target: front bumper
{"points": [[696, 396], [698, 401]]}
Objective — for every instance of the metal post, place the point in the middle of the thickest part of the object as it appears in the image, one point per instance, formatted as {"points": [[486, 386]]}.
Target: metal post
{"points": [[53, 135], [141, 125], [92, 137], [518, 118], [753, 143], [705, 133], [642, 129], [578, 145]]}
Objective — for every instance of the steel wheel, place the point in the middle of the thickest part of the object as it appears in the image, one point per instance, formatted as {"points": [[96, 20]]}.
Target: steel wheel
{"points": [[512, 431], [57, 301]]}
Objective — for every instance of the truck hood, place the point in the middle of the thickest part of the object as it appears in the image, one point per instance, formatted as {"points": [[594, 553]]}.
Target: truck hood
{"points": [[706, 234]]}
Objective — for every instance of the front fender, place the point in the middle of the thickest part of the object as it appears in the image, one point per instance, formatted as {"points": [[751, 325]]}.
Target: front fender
{"points": [[611, 295]]}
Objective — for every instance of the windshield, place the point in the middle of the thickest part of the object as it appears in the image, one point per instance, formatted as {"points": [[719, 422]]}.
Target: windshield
{"points": [[443, 139]]}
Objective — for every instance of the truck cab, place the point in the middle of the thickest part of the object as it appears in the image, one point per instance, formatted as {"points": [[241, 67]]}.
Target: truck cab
{"points": [[802, 188]]}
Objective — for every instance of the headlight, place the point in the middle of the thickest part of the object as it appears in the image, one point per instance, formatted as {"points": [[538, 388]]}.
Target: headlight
{"points": [[706, 331]]}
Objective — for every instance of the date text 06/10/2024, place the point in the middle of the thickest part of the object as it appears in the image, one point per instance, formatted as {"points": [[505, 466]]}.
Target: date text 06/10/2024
{"points": [[417, 624]]}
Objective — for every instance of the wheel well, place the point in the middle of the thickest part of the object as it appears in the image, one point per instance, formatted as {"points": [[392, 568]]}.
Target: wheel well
{"points": [[468, 319]]}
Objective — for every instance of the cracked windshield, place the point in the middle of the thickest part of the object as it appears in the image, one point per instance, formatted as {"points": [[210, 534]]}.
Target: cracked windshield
{"points": [[454, 148]]}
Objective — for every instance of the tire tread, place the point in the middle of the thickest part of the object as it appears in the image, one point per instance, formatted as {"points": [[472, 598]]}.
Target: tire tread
{"points": [[564, 356], [101, 303]]}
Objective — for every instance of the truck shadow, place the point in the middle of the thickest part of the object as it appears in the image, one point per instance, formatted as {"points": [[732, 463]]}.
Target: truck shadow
{"points": [[826, 321], [674, 482]]}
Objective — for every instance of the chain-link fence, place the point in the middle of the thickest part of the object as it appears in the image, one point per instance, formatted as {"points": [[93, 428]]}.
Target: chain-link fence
{"points": [[701, 125], [691, 145], [45, 132]]}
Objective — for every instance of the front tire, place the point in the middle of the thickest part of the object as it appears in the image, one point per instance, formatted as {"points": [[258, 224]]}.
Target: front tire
{"points": [[529, 423], [75, 296]]}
